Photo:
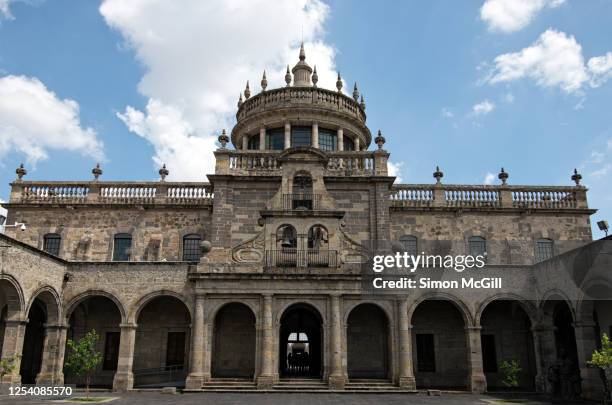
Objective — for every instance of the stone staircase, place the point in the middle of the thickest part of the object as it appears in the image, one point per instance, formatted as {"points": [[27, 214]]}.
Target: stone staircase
{"points": [[300, 385], [230, 385], [373, 386]]}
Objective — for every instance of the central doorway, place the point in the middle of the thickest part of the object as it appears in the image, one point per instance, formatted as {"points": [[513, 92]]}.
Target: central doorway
{"points": [[301, 334]]}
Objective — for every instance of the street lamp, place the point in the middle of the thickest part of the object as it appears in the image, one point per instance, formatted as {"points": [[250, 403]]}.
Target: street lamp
{"points": [[603, 226]]}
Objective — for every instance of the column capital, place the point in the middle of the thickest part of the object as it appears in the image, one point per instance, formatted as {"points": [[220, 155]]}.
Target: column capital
{"points": [[56, 326], [16, 322], [473, 328], [128, 325]]}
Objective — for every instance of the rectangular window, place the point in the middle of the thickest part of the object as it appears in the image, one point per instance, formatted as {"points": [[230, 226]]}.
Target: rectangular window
{"points": [[191, 248], [426, 354], [409, 244], [300, 136], [175, 349], [51, 244], [111, 351], [328, 140], [544, 249], [275, 139], [478, 246], [122, 247], [489, 354]]}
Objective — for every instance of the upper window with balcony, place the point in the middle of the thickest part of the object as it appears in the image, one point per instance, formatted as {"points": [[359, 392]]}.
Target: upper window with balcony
{"points": [[328, 139], [300, 136], [275, 139], [253, 142], [348, 143]]}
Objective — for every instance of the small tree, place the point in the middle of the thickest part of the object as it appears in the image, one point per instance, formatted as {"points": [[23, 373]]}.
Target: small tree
{"points": [[603, 360], [510, 370], [83, 358], [8, 365]]}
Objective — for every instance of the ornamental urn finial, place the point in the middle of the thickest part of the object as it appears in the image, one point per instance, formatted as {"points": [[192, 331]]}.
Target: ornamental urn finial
{"points": [[288, 77], [355, 93], [240, 100], [362, 103], [339, 83], [503, 176], [438, 175], [379, 140], [163, 172], [96, 171], [223, 139], [315, 77], [20, 171], [264, 82], [576, 177], [247, 91]]}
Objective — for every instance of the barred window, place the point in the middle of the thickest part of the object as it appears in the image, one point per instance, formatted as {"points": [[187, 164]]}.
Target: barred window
{"points": [[253, 143], [478, 246], [122, 247], [300, 136], [544, 249], [409, 244], [191, 248], [51, 243], [348, 143], [328, 140], [275, 139]]}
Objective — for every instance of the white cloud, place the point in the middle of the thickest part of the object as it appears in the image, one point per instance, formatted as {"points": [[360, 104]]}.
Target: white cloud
{"points": [[554, 60], [195, 69], [512, 15], [489, 178], [602, 171], [447, 113], [395, 169], [483, 108], [5, 11], [33, 120]]}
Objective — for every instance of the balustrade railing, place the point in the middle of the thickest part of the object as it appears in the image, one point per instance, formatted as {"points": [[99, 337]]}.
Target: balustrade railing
{"points": [[301, 258], [111, 193], [351, 162], [301, 201]]}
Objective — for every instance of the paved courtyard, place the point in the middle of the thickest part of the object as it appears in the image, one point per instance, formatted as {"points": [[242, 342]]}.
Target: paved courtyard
{"points": [[147, 398]]}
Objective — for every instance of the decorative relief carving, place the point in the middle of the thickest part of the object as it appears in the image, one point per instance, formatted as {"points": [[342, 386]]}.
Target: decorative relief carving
{"points": [[250, 251]]}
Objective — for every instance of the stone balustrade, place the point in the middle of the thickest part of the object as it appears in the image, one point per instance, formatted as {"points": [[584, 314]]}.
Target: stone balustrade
{"points": [[94, 192], [483, 196]]}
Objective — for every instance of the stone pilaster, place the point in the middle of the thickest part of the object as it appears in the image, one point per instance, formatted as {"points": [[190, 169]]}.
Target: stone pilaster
{"points": [[337, 378], [124, 378], [51, 369], [287, 135], [545, 354], [12, 346], [340, 139], [315, 135], [406, 375], [266, 379], [195, 379], [586, 342], [262, 138], [477, 382]]}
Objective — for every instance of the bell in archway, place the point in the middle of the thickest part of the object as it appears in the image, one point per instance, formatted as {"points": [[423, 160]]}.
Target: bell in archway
{"points": [[286, 243]]}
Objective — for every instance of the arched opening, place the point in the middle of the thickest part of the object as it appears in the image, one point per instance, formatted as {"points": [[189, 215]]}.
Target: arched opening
{"points": [[439, 345], [302, 197], [101, 314], [33, 342], [301, 337], [234, 342], [506, 336], [161, 351], [10, 307], [286, 252], [368, 342]]}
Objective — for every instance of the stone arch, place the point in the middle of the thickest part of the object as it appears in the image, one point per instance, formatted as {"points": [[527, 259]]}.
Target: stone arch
{"points": [[549, 300], [12, 295], [529, 309], [233, 344], [75, 301], [136, 308], [51, 299], [301, 357], [461, 306], [368, 337], [281, 311], [34, 338]]}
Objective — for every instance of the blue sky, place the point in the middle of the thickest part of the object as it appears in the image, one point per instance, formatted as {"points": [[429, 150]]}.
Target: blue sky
{"points": [[470, 86]]}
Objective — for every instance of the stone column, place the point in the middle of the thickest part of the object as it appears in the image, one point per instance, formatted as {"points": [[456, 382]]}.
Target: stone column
{"points": [[266, 378], [287, 135], [340, 139], [51, 369], [315, 135], [545, 354], [124, 378], [477, 382], [406, 376], [195, 379], [245, 142], [12, 346], [586, 338], [336, 376], [262, 138], [357, 143]]}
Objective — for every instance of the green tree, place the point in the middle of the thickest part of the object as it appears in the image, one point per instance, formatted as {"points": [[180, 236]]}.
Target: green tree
{"points": [[602, 359], [8, 365], [83, 358], [510, 370]]}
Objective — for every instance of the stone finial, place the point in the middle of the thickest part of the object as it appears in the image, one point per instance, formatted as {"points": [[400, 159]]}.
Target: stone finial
{"points": [[288, 77], [362, 103], [438, 175], [339, 83], [163, 172], [315, 77], [223, 139], [264, 82], [20, 171], [576, 177], [355, 93], [97, 172], [301, 71], [379, 140], [302, 52], [247, 91], [240, 100], [503, 176]]}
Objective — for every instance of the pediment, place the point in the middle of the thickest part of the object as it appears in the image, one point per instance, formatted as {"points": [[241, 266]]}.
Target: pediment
{"points": [[303, 154]]}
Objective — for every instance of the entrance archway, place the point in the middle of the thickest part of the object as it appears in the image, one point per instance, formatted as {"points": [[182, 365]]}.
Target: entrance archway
{"points": [[11, 305], [234, 342], [33, 343], [161, 351], [301, 337], [506, 336], [368, 342]]}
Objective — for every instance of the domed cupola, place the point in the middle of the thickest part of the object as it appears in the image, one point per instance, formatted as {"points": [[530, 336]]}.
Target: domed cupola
{"points": [[301, 71]]}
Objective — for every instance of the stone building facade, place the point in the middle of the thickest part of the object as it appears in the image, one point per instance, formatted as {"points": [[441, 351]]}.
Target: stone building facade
{"points": [[255, 279]]}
